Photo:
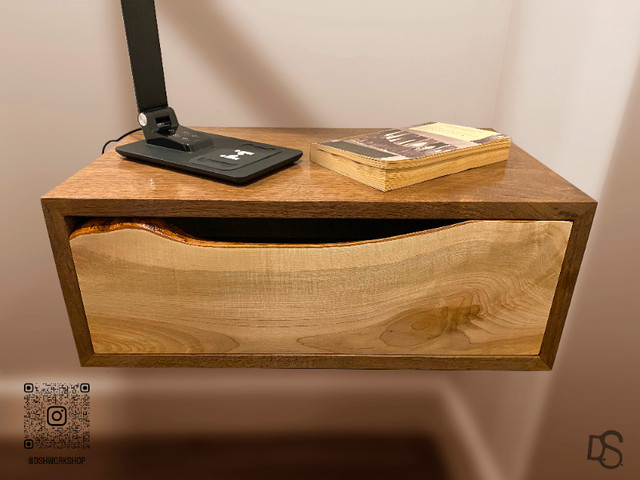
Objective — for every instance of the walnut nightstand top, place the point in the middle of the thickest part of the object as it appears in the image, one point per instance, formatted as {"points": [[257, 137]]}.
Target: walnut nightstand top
{"points": [[520, 188]]}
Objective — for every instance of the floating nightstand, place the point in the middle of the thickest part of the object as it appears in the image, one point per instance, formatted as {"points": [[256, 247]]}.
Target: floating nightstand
{"points": [[310, 269]]}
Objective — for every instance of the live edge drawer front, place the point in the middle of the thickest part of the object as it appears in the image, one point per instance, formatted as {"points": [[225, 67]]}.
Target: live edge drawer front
{"points": [[481, 287]]}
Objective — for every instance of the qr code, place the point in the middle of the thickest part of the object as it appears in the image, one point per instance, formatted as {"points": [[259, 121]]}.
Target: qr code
{"points": [[56, 415]]}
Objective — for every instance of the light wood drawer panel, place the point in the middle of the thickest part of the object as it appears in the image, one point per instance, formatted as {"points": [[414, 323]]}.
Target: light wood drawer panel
{"points": [[480, 287]]}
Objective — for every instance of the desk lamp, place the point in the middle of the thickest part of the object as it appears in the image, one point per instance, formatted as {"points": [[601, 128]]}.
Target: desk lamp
{"points": [[168, 143]]}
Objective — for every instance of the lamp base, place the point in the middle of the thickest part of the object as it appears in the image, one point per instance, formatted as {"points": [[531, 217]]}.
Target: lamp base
{"points": [[228, 159]]}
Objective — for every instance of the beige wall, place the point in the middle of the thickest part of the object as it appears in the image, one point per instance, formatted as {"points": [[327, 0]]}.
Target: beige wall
{"points": [[560, 77], [570, 94]]}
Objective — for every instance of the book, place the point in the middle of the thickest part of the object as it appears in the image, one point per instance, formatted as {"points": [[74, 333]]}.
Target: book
{"points": [[398, 157]]}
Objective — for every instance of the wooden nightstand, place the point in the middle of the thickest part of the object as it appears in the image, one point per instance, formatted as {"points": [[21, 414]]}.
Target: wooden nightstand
{"points": [[310, 269]]}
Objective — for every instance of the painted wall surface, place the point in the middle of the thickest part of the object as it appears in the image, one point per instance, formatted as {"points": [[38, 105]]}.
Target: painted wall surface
{"points": [[559, 77]]}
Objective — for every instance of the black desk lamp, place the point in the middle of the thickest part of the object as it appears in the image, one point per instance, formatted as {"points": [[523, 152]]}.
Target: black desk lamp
{"points": [[168, 143]]}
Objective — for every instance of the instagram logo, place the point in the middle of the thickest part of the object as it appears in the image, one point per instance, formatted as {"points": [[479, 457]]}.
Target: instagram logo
{"points": [[56, 416]]}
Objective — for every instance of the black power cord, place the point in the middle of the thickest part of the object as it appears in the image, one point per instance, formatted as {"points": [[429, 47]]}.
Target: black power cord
{"points": [[104, 147]]}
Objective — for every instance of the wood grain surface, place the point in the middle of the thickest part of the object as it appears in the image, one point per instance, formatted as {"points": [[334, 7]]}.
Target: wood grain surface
{"points": [[521, 188], [475, 288]]}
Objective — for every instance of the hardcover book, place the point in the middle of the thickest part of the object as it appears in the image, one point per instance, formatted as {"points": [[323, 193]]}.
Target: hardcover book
{"points": [[399, 157]]}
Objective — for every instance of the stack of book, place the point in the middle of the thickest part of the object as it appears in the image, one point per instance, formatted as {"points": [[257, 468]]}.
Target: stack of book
{"points": [[399, 157]]}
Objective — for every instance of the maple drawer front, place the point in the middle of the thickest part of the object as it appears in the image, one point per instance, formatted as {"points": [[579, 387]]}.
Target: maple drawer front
{"points": [[469, 289]]}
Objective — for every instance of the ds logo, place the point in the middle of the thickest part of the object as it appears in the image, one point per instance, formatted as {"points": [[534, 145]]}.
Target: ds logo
{"points": [[611, 460]]}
